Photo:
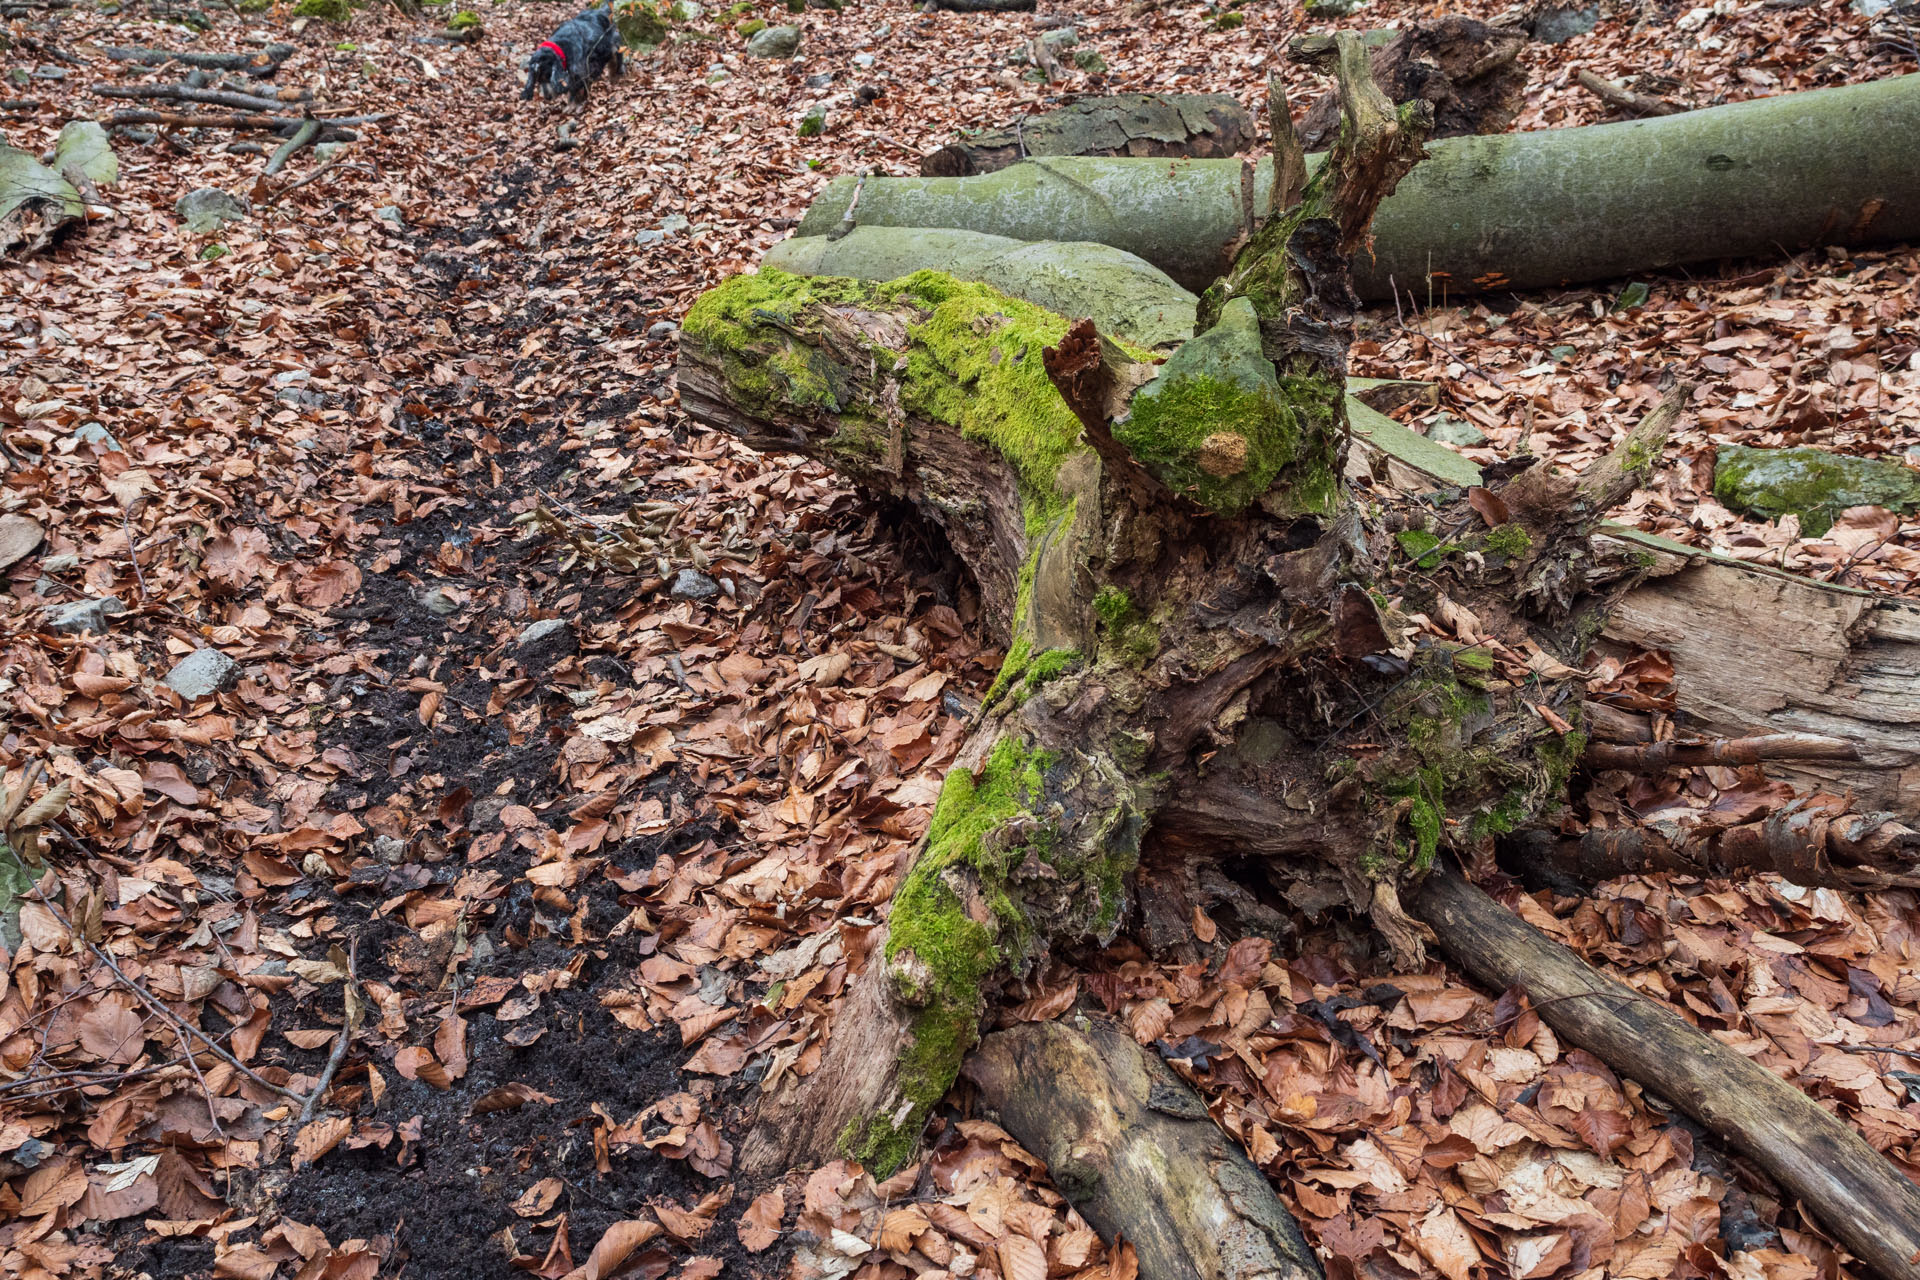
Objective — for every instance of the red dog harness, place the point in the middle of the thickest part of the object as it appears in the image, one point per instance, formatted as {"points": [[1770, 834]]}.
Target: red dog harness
{"points": [[558, 52]]}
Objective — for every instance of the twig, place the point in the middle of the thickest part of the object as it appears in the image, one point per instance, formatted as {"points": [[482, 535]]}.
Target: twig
{"points": [[140, 579], [212, 1115], [350, 1016], [153, 1006], [1624, 98]]}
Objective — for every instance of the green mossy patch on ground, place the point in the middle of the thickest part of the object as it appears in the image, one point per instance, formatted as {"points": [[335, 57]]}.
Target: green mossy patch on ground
{"points": [[1810, 483], [338, 12], [1509, 540]]}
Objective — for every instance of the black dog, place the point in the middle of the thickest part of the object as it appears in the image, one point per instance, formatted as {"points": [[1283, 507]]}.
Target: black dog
{"points": [[574, 57]]}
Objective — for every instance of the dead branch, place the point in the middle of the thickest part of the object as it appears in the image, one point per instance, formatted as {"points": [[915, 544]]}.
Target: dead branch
{"points": [[335, 130], [350, 1021], [205, 97], [260, 64], [305, 134], [1656, 757], [1624, 98]]}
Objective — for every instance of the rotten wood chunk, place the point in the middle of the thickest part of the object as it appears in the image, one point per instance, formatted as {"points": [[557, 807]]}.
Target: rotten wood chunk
{"points": [[1205, 125], [1134, 1150], [1469, 72]]}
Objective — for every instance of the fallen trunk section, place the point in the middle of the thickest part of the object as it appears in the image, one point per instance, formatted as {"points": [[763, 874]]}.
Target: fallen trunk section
{"points": [[1134, 1150], [1518, 210], [1207, 125], [1854, 1191], [1468, 72]]}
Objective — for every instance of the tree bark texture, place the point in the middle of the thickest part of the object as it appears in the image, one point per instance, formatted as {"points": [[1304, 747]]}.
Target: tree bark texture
{"points": [[1854, 1191], [1210, 125], [1134, 1150], [1829, 166], [262, 63], [1468, 72]]}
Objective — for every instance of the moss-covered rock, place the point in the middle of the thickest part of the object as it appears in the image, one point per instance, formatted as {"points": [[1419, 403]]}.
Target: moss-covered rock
{"points": [[1218, 424], [465, 20], [639, 24], [338, 12], [1810, 483], [751, 27]]}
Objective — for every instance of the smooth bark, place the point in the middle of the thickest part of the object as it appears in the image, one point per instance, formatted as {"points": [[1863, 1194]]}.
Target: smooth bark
{"points": [[1829, 166], [1129, 124]]}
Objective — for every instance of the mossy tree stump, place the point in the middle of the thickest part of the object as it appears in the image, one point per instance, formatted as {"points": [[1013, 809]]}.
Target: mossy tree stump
{"points": [[1229, 676]]}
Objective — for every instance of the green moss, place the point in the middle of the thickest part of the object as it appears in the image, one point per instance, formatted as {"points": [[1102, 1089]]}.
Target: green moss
{"points": [[753, 324], [1509, 540], [640, 24], [1229, 21], [465, 20], [1478, 661], [1112, 605], [338, 12], [1810, 483], [1418, 543], [814, 123], [939, 949], [751, 27], [976, 363], [1013, 668], [1050, 665]]}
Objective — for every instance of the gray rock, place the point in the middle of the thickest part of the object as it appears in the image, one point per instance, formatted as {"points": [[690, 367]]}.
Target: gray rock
{"points": [[814, 123], [95, 433], [84, 617], [1060, 38], [60, 563], [391, 213], [50, 73], [693, 585], [1334, 8], [662, 329], [687, 11], [774, 42], [485, 814], [208, 208], [202, 673], [300, 396], [1090, 61], [863, 59], [824, 79], [538, 631], [391, 850], [1553, 26], [325, 151], [1457, 432], [1871, 8], [674, 223]]}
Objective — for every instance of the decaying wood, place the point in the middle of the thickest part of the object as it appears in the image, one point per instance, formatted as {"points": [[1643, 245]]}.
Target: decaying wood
{"points": [[985, 6], [1639, 104], [335, 128], [205, 97], [1467, 71], [1657, 757], [1130, 124], [1854, 1191], [1134, 1150], [262, 63], [305, 134]]}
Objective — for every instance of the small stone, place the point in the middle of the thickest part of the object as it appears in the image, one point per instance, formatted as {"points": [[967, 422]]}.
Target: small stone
{"points": [[315, 865], [687, 11], [863, 59], [1090, 61], [50, 73], [820, 81], [538, 631], [1555, 26], [1457, 432], [19, 537], [814, 123], [96, 433], [774, 42], [208, 208], [693, 585], [485, 814], [660, 330], [202, 673], [84, 617], [325, 151], [439, 602], [1333, 8], [1060, 38], [391, 213], [391, 850], [60, 563]]}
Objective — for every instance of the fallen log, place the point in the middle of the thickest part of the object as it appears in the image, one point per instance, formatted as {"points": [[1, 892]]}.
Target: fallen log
{"points": [[1855, 1192], [1122, 294], [1128, 124], [984, 6], [261, 63], [1614, 95], [1134, 1150], [207, 97], [1468, 72], [1828, 166]]}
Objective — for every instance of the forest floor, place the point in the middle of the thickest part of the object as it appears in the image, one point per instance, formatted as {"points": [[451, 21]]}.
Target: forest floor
{"points": [[569, 753]]}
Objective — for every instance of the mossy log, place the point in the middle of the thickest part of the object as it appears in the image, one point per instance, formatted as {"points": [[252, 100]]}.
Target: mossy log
{"points": [[1211, 125], [1219, 663], [1124, 1136], [1829, 166]]}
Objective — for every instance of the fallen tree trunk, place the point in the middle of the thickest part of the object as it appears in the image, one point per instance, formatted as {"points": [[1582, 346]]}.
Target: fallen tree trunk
{"points": [[334, 127], [1129, 124], [1519, 210], [1468, 72], [1134, 1150], [1856, 1193]]}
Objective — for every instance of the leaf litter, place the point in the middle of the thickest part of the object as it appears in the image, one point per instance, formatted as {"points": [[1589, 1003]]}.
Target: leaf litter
{"points": [[569, 754]]}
